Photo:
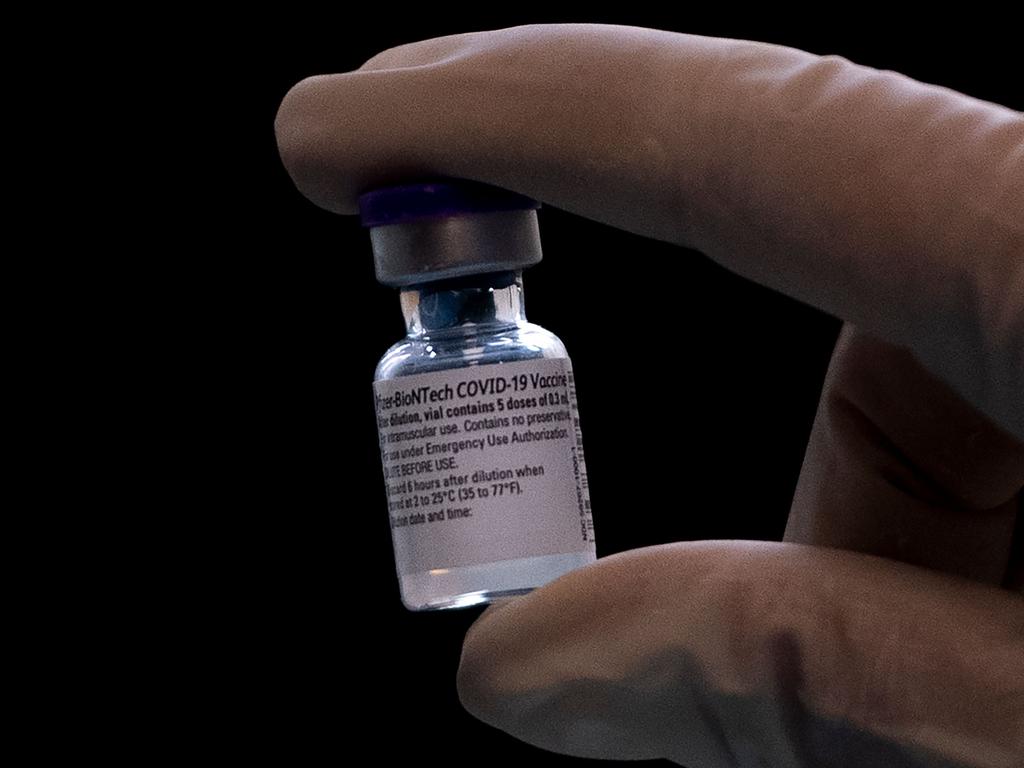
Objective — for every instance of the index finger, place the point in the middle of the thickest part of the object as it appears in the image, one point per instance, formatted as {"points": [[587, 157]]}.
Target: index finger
{"points": [[889, 203]]}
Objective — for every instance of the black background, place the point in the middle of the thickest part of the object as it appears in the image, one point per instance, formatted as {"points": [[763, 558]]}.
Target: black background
{"points": [[697, 391]]}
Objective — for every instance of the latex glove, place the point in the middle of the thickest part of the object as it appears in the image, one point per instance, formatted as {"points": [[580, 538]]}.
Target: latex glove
{"points": [[894, 205]]}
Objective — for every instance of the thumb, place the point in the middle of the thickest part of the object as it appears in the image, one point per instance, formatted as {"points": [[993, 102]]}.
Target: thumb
{"points": [[729, 653]]}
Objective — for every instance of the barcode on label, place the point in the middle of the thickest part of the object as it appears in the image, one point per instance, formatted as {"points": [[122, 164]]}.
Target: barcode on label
{"points": [[587, 519]]}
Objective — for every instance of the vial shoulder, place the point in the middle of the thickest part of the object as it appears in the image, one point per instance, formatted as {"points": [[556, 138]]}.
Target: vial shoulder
{"points": [[541, 339], [415, 355]]}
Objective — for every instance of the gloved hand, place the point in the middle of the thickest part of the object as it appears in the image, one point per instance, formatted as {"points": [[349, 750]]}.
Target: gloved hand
{"points": [[889, 628]]}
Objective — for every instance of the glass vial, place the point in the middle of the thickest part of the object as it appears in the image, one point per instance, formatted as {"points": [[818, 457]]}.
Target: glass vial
{"points": [[476, 408]]}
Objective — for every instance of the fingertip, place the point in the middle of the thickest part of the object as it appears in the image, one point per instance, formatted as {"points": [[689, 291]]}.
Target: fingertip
{"points": [[474, 682], [311, 132], [496, 656]]}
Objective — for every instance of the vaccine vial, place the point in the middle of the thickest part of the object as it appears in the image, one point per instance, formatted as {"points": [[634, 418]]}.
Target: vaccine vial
{"points": [[476, 408]]}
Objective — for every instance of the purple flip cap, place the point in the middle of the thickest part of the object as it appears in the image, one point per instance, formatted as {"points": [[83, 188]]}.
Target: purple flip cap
{"points": [[437, 199]]}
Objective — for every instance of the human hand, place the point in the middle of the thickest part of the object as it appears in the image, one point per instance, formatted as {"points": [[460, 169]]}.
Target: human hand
{"points": [[879, 633]]}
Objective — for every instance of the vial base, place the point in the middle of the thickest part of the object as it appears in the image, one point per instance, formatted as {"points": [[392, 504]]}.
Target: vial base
{"points": [[477, 584]]}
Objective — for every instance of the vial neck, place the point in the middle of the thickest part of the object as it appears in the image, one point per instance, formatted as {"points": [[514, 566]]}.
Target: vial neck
{"points": [[464, 305]]}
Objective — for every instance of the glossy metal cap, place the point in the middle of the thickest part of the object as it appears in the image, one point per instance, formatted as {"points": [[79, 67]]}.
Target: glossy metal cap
{"points": [[450, 228]]}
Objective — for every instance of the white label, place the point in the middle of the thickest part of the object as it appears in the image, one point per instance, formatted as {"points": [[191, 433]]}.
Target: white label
{"points": [[483, 463]]}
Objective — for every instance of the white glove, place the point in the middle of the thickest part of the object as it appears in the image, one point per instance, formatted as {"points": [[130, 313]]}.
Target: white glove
{"points": [[896, 206]]}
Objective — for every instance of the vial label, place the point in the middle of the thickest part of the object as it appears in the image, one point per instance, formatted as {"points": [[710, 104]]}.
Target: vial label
{"points": [[483, 463]]}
